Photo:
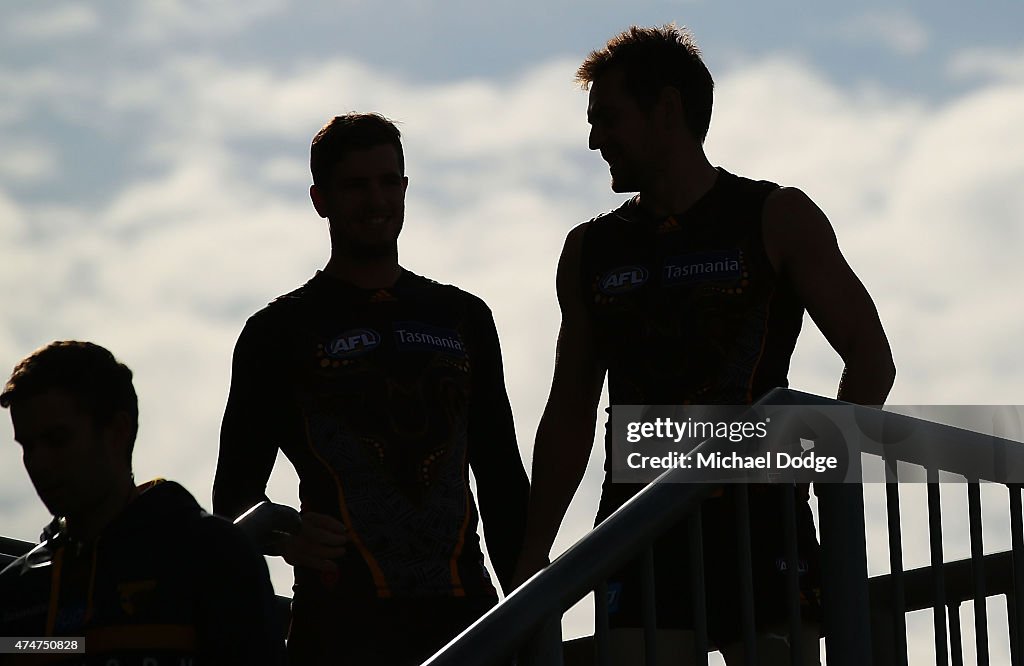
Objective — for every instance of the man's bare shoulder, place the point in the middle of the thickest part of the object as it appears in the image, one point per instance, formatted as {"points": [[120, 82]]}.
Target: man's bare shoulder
{"points": [[789, 206], [620, 215], [793, 228]]}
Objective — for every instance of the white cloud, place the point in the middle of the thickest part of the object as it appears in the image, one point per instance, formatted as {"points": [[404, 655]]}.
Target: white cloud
{"points": [[25, 162], [897, 30], [66, 20], [158, 21], [285, 171], [10, 218], [988, 64], [39, 88]]}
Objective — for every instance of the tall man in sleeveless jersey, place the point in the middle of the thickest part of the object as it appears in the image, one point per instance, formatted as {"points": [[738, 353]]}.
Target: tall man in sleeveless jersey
{"points": [[691, 292]]}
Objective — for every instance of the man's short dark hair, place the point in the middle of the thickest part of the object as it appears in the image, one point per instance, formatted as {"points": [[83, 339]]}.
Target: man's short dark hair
{"points": [[652, 59], [100, 383], [352, 131]]}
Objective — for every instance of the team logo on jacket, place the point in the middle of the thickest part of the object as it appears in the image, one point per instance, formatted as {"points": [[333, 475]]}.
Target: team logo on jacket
{"points": [[622, 279], [703, 267], [133, 592], [353, 342], [414, 335]]}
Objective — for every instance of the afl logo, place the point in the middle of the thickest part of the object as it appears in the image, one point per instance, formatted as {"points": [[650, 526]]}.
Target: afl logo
{"points": [[623, 279], [353, 343]]}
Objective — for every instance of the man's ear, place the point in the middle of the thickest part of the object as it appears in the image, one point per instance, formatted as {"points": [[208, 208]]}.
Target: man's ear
{"points": [[318, 200], [119, 434], [670, 100]]}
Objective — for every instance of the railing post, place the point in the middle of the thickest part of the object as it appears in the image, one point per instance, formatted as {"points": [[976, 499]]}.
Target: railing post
{"points": [[845, 573], [938, 568], [978, 571], [955, 639], [545, 648]]}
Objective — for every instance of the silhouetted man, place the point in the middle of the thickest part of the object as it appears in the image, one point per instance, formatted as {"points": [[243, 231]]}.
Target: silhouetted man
{"points": [[382, 388], [691, 292], [142, 573]]}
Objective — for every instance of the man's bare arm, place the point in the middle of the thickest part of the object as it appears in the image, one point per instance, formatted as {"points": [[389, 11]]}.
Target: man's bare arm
{"points": [[802, 246], [565, 435]]}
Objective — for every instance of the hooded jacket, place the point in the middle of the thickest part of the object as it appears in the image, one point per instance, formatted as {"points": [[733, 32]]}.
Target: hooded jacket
{"points": [[163, 583]]}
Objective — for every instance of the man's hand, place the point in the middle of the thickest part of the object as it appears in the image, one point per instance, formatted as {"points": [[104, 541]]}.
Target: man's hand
{"points": [[529, 564], [267, 524], [321, 540]]}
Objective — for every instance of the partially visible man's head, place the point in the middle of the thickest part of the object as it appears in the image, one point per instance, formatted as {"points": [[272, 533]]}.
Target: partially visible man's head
{"points": [[652, 59], [76, 415], [344, 134]]}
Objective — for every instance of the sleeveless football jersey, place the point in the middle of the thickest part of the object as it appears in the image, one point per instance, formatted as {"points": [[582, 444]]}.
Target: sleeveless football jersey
{"points": [[687, 309]]}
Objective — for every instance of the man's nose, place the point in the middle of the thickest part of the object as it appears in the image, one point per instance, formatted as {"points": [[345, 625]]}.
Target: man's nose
{"points": [[378, 196], [596, 138]]}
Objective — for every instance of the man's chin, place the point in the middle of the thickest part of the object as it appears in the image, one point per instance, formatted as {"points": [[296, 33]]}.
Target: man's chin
{"points": [[622, 186], [56, 505], [374, 251]]}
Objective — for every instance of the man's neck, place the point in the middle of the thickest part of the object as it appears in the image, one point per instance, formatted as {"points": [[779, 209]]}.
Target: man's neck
{"points": [[679, 187], [88, 525], [366, 274]]}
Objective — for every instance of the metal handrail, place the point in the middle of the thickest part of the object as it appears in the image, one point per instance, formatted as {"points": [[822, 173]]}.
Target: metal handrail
{"points": [[12, 549], [495, 637]]}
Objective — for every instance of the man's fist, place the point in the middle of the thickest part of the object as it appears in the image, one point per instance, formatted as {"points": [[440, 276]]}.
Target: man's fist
{"points": [[320, 540]]}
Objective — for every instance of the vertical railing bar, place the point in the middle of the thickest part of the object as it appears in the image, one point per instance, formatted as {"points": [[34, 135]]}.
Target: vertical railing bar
{"points": [[938, 569], [1006, 424], [697, 591], [792, 574], [1011, 622], [601, 642], [742, 498], [545, 647], [899, 604], [1017, 544], [978, 571], [955, 639], [845, 596], [650, 615]]}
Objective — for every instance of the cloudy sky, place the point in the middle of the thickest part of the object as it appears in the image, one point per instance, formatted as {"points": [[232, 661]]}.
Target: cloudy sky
{"points": [[153, 182]]}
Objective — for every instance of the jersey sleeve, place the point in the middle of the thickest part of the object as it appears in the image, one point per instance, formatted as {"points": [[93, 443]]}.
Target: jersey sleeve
{"points": [[238, 620], [502, 486], [251, 425]]}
